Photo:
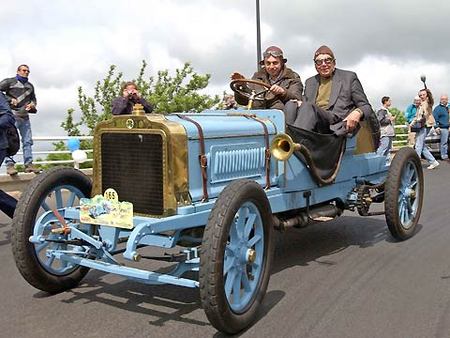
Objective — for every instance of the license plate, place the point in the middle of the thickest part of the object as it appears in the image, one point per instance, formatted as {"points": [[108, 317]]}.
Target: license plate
{"points": [[106, 210]]}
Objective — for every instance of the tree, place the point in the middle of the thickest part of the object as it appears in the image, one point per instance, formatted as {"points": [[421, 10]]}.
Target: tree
{"points": [[167, 93]]}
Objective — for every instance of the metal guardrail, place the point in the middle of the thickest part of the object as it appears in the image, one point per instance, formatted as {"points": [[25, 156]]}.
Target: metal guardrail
{"points": [[17, 182], [19, 155]]}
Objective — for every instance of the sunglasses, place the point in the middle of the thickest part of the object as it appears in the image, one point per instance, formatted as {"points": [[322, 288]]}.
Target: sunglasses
{"points": [[327, 61], [24, 70]]}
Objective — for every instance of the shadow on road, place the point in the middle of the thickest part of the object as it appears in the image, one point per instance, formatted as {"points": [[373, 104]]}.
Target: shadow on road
{"points": [[271, 299], [315, 243], [164, 303], [5, 233]]}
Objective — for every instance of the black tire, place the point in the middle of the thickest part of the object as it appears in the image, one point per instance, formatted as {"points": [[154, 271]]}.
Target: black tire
{"points": [[234, 199], [28, 208], [404, 194]]}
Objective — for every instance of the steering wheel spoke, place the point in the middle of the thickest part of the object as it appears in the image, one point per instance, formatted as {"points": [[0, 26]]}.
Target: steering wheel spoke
{"points": [[250, 89]]}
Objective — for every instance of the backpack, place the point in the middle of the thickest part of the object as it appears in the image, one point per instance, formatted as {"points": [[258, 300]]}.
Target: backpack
{"points": [[13, 140]]}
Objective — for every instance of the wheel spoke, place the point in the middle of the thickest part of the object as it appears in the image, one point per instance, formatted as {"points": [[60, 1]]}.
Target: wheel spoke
{"points": [[228, 264], [246, 283], [237, 288], [58, 197], [38, 248], [45, 206], [231, 276], [255, 239], [50, 260], [243, 214], [71, 199], [234, 236], [249, 224]]}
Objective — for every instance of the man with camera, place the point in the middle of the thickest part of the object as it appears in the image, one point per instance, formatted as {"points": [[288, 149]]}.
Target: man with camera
{"points": [[20, 95], [130, 96]]}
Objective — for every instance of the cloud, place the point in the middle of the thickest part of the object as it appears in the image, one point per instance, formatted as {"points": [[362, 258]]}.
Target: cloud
{"points": [[71, 43]]}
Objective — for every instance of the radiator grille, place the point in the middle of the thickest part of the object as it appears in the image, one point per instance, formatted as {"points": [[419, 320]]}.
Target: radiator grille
{"points": [[132, 164]]}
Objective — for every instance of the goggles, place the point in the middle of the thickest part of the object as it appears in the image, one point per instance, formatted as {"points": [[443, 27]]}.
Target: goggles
{"points": [[327, 61], [273, 53]]}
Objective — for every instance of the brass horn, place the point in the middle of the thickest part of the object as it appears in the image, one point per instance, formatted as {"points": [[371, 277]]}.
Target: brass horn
{"points": [[283, 146]]}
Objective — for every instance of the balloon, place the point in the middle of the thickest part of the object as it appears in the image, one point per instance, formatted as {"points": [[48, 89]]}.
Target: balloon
{"points": [[79, 156], [73, 144]]}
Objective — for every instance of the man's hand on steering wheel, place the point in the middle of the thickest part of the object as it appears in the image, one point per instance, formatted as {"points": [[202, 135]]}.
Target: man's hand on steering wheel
{"points": [[236, 76]]}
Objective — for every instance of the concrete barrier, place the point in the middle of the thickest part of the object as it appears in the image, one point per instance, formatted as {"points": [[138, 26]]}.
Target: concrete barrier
{"points": [[19, 181]]}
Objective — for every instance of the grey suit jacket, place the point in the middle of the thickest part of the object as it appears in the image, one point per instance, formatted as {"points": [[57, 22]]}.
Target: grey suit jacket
{"points": [[346, 94]]}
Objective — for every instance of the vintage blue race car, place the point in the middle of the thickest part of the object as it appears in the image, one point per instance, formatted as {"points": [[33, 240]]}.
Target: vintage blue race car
{"points": [[210, 189]]}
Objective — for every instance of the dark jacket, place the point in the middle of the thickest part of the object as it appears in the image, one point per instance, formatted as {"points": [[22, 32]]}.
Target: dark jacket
{"points": [[347, 94], [6, 120], [122, 105], [440, 114], [387, 127], [22, 92], [289, 80]]}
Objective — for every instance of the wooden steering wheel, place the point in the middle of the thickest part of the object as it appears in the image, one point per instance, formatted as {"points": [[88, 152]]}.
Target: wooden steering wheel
{"points": [[256, 91]]}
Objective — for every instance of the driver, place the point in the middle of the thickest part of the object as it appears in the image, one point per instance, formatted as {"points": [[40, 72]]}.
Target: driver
{"points": [[334, 100], [285, 83]]}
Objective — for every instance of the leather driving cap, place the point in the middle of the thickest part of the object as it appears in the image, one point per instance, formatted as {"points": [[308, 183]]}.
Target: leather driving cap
{"points": [[323, 50]]}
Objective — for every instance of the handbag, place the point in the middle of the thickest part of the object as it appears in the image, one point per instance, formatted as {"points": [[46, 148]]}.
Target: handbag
{"points": [[416, 127]]}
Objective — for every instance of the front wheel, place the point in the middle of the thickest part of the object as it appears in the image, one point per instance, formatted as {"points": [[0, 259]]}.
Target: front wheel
{"points": [[404, 194], [48, 193], [235, 256]]}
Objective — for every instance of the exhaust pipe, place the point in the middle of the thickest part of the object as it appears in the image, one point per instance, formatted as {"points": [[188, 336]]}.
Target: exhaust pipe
{"points": [[318, 214]]}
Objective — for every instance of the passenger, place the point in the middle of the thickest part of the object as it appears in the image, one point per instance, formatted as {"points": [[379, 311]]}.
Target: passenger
{"points": [[425, 118], [334, 100], [386, 120], [285, 83], [130, 96], [410, 113]]}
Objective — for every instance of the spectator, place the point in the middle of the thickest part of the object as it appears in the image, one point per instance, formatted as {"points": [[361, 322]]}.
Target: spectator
{"points": [[285, 83], [411, 110], [7, 203], [335, 101], [130, 96], [441, 116], [22, 99], [410, 113], [425, 118], [386, 120]]}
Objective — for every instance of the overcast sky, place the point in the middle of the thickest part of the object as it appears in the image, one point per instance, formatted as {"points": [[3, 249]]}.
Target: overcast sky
{"points": [[68, 43]]}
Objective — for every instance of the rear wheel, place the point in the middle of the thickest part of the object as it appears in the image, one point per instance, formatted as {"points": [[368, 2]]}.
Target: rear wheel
{"points": [[404, 194], [52, 190], [235, 256]]}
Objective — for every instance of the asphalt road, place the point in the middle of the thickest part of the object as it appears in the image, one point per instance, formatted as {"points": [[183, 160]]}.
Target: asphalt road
{"points": [[345, 278]]}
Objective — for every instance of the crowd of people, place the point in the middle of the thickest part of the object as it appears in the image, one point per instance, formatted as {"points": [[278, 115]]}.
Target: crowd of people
{"points": [[421, 119]]}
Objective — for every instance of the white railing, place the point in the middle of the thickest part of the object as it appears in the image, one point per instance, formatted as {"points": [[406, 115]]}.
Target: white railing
{"points": [[43, 153]]}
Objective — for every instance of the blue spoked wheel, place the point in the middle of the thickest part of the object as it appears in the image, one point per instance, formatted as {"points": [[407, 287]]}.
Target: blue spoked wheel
{"points": [[235, 256], [52, 190], [404, 194]]}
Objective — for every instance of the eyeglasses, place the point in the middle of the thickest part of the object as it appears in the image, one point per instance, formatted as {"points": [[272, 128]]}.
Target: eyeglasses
{"points": [[326, 61], [25, 70]]}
